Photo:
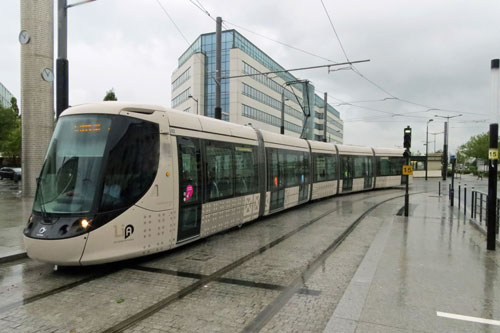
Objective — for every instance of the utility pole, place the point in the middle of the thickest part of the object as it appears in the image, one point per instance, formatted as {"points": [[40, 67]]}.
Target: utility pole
{"points": [[427, 148], [493, 157], [282, 127], [37, 87], [445, 151], [407, 170], [325, 130], [445, 145], [218, 60]]}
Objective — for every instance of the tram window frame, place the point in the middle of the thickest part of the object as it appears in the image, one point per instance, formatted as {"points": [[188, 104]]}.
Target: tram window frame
{"points": [[219, 176], [245, 184]]}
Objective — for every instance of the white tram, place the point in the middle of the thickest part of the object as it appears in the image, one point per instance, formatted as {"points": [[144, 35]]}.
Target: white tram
{"points": [[122, 180]]}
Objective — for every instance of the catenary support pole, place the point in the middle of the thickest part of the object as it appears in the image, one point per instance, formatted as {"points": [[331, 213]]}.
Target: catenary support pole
{"points": [[325, 129], [282, 127], [493, 156], [445, 151], [218, 74]]}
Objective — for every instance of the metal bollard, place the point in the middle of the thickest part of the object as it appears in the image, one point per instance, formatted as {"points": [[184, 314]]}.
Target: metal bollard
{"points": [[459, 191], [473, 197], [465, 200], [439, 188], [480, 207]]}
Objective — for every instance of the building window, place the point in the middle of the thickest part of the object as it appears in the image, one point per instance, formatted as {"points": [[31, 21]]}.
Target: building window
{"points": [[181, 98], [181, 79], [267, 118]]}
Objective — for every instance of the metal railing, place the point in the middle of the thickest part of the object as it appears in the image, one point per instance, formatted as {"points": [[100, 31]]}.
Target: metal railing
{"points": [[479, 207], [478, 204]]}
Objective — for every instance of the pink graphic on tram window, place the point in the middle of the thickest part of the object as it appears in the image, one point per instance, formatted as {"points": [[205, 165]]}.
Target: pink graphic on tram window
{"points": [[188, 193]]}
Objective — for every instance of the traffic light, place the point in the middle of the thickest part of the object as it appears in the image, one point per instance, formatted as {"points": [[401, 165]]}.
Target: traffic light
{"points": [[407, 137]]}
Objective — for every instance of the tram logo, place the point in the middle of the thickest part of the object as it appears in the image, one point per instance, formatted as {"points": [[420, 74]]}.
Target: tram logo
{"points": [[129, 230], [124, 232]]}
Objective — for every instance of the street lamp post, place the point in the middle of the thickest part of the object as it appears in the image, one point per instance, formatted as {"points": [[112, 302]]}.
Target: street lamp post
{"points": [[427, 148], [445, 145], [194, 99]]}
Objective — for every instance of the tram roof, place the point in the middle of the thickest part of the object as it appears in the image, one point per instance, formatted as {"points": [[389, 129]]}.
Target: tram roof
{"points": [[112, 107]]}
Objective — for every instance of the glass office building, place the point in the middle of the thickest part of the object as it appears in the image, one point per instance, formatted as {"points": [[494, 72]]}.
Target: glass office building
{"points": [[252, 99], [5, 96]]}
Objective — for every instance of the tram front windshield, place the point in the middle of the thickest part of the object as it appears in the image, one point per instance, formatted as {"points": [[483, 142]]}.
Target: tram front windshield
{"points": [[96, 157]]}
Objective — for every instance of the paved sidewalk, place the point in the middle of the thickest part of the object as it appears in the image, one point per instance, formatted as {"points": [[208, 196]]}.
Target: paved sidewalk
{"points": [[14, 212], [429, 272]]}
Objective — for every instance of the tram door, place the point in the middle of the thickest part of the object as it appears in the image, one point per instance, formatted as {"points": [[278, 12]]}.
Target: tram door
{"points": [[368, 172], [347, 170], [190, 192], [276, 181]]}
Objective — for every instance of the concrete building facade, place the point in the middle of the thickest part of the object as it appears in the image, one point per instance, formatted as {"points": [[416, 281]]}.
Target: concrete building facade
{"points": [[5, 96], [250, 99]]}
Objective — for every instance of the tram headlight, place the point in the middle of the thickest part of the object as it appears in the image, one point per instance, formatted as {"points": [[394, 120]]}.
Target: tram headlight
{"points": [[85, 223]]}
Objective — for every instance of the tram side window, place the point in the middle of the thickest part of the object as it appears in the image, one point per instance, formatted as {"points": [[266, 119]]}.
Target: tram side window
{"points": [[384, 166], [359, 167], [396, 165], [305, 167], [276, 168], [293, 170], [389, 166], [331, 167], [219, 170], [132, 164], [346, 167], [320, 168], [245, 162]]}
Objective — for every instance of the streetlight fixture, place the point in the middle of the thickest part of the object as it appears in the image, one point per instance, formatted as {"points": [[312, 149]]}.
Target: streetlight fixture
{"points": [[445, 146], [194, 99], [427, 148]]}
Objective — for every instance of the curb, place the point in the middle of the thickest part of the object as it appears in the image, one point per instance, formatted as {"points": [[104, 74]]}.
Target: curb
{"points": [[13, 257], [482, 229]]}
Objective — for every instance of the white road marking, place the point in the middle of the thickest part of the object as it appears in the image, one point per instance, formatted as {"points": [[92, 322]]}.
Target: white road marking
{"points": [[468, 318]]}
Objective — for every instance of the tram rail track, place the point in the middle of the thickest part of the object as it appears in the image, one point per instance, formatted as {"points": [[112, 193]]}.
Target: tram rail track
{"points": [[286, 291], [265, 315]]}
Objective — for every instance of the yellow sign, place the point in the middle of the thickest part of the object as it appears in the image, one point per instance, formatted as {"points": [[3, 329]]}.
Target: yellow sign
{"points": [[493, 154], [407, 170]]}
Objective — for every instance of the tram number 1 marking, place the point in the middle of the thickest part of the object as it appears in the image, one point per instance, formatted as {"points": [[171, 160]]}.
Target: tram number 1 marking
{"points": [[407, 170]]}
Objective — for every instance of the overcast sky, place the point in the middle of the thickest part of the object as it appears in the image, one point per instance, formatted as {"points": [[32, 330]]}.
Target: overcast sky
{"points": [[433, 53]]}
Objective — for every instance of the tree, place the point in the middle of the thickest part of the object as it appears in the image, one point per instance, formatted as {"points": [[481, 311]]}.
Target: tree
{"points": [[10, 131], [13, 105], [476, 147], [110, 95]]}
